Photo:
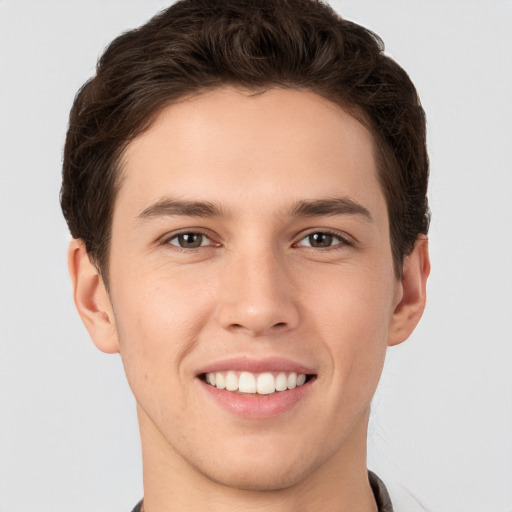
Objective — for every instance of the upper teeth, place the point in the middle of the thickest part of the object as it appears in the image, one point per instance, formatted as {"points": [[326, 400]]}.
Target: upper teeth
{"points": [[261, 383]]}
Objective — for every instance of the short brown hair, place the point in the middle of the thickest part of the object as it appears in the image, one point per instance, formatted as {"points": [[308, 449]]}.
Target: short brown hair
{"points": [[196, 45]]}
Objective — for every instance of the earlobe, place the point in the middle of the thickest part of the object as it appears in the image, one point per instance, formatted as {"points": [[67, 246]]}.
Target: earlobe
{"points": [[411, 305], [91, 298]]}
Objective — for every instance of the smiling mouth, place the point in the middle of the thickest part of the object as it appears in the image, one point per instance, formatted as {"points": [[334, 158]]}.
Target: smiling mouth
{"points": [[266, 383]]}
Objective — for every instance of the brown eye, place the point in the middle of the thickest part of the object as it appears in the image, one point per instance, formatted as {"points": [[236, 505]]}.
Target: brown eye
{"points": [[322, 240], [189, 240]]}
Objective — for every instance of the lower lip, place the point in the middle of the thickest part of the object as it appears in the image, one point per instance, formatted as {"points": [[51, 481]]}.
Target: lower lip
{"points": [[258, 406]]}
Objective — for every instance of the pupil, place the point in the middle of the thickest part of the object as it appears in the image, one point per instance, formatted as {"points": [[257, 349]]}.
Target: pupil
{"points": [[190, 240], [320, 240]]}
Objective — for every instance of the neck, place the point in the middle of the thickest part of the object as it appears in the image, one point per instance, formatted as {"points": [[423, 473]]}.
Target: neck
{"points": [[171, 483]]}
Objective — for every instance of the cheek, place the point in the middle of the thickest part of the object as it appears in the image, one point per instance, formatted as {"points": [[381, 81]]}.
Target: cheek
{"points": [[158, 319], [351, 312], [159, 304]]}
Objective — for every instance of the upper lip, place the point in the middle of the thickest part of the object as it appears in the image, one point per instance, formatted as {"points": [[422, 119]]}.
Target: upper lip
{"points": [[256, 365]]}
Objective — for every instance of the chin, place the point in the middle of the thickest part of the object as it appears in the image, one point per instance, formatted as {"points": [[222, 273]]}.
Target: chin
{"points": [[262, 470], [253, 477]]}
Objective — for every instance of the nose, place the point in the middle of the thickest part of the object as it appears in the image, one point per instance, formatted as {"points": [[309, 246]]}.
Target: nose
{"points": [[257, 295]]}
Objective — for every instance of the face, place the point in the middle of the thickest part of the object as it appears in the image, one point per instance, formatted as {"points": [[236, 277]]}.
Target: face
{"points": [[250, 251]]}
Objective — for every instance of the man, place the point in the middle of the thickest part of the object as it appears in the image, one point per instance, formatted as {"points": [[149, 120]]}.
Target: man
{"points": [[245, 184]]}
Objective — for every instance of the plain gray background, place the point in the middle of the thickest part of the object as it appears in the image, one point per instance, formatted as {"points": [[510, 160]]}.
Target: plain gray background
{"points": [[442, 423]]}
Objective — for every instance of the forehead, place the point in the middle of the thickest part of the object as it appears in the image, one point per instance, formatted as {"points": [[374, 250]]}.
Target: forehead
{"points": [[238, 147]]}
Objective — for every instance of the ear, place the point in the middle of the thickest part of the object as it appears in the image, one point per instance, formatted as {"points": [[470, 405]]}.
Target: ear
{"points": [[91, 298], [411, 294]]}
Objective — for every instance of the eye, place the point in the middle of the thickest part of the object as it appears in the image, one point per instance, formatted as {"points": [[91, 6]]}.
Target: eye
{"points": [[189, 240], [322, 240]]}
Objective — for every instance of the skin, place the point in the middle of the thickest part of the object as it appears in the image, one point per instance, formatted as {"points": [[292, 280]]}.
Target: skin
{"points": [[255, 288]]}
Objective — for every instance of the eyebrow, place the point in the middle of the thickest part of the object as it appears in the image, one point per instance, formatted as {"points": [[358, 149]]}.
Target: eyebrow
{"points": [[332, 206], [305, 208], [170, 207]]}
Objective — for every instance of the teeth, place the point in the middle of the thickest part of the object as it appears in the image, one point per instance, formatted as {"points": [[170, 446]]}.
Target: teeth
{"points": [[266, 384], [247, 383], [218, 379], [262, 383], [231, 382], [281, 382]]}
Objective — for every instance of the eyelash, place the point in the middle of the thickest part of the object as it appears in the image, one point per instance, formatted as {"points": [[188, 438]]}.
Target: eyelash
{"points": [[167, 241], [343, 241]]}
